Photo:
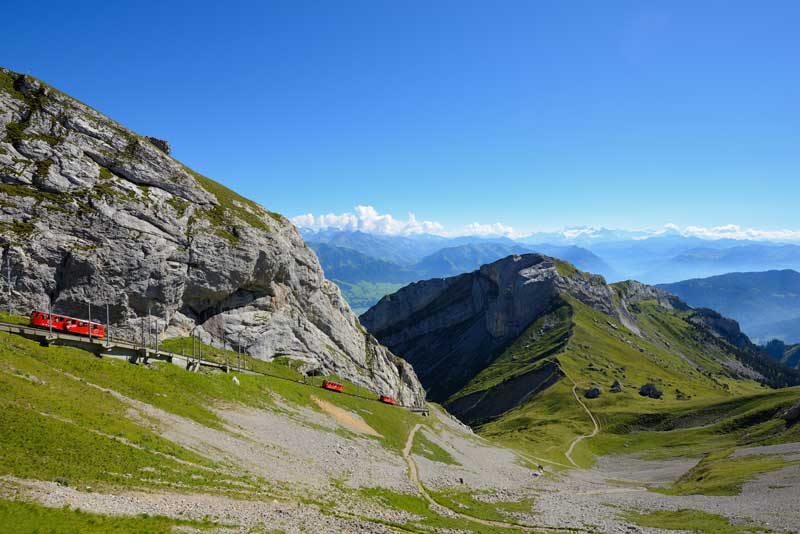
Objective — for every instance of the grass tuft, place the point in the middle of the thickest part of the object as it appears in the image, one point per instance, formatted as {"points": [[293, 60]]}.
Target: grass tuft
{"points": [[691, 521], [23, 517], [430, 450]]}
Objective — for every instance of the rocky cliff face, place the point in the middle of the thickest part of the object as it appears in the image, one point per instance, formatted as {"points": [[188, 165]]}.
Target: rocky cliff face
{"points": [[91, 212], [451, 328], [789, 355], [719, 326]]}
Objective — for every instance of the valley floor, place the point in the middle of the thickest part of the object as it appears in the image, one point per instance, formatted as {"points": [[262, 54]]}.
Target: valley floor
{"points": [[116, 441], [600, 499], [626, 482]]}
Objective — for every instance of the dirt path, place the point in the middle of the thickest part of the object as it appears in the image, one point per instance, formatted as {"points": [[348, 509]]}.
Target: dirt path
{"points": [[537, 459], [413, 474], [593, 433]]}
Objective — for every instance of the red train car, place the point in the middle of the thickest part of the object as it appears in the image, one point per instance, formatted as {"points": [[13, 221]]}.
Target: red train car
{"points": [[70, 325], [333, 386], [386, 399]]}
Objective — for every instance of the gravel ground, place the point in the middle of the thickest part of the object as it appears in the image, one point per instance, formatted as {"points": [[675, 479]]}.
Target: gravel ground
{"points": [[290, 446], [306, 454], [594, 498], [482, 466], [241, 515], [317, 457]]}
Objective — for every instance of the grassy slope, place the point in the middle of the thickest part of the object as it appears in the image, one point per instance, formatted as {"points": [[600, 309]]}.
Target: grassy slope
{"points": [[424, 447], [720, 474], [493, 511], [674, 356], [47, 417], [48, 424], [691, 521], [21, 517], [428, 519]]}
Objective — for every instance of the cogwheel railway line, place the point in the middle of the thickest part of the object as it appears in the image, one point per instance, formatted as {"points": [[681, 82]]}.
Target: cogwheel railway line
{"points": [[135, 352]]}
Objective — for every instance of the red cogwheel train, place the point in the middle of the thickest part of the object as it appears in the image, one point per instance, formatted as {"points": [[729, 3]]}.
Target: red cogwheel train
{"points": [[71, 325], [82, 327], [338, 388]]}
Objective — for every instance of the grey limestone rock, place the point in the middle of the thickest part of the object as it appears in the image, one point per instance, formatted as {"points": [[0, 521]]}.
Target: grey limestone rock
{"points": [[616, 387], [91, 212], [650, 390], [447, 328], [593, 393]]}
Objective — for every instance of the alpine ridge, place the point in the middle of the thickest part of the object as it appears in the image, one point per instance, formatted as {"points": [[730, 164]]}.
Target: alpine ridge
{"points": [[93, 213], [488, 341]]}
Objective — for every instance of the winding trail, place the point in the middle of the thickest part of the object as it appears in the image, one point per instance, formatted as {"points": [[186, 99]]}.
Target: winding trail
{"points": [[413, 473], [593, 433]]}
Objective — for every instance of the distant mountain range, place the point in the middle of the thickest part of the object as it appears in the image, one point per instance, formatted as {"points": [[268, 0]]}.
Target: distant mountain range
{"points": [[365, 278], [617, 255], [346, 264], [709, 261], [401, 250], [672, 258], [766, 304]]}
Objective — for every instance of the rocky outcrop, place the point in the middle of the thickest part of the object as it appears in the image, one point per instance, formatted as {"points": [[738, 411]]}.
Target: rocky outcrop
{"points": [[791, 415], [161, 144], [452, 328], [593, 393], [92, 213], [631, 292], [775, 348], [719, 326], [788, 355], [791, 356], [650, 390]]}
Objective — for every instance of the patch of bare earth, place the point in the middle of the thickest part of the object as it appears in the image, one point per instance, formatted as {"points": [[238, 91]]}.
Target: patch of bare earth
{"points": [[348, 420]]}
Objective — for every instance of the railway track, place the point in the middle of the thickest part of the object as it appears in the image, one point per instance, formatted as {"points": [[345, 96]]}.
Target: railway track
{"points": [[149, 353]]}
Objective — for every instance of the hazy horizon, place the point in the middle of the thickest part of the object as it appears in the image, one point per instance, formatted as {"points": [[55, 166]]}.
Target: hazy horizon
{"points": [[368, 220]]}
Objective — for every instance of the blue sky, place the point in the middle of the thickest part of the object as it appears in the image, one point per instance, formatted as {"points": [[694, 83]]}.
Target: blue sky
{"points": [[535, 114]]}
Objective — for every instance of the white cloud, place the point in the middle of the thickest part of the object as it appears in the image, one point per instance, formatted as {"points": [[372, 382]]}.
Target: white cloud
{"points": [[734, 231], [495, 229], [581, 231], [367, 219]]}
